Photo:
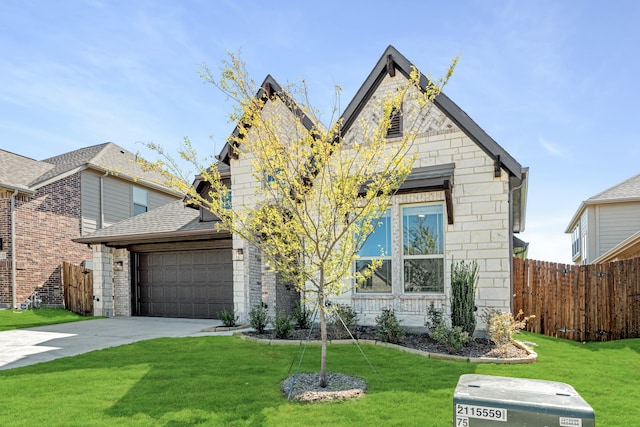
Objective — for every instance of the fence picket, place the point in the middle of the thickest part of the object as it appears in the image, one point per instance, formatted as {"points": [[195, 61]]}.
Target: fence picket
{"points": [[77, 285], [596, 302]]}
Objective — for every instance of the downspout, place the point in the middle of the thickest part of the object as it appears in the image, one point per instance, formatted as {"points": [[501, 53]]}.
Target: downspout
{"points": [[517, 187], [13, 250]]}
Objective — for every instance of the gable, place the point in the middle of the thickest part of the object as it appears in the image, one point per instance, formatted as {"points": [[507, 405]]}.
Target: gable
{"points": [[430, 120], [392, 63], [275, 97]]}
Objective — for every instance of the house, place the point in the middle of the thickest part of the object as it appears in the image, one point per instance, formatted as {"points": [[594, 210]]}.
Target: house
{"points": [[45, 204], [606, 226], [464, 185]]}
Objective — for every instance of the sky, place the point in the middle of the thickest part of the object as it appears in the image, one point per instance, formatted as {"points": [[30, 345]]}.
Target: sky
{"points": [[554, 82]]}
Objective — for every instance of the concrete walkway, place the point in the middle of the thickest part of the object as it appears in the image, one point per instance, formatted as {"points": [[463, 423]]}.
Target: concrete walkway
{"points": [[23, 347]]}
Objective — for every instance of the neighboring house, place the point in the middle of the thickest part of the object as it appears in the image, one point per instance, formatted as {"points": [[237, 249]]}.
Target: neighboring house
{"points": [[464, 186], [605, 227], [44, 204]]}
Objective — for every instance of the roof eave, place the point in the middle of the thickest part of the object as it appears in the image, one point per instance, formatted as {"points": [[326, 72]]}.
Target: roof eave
{"points": [[131, 239], [618, 249], [20, 189]]}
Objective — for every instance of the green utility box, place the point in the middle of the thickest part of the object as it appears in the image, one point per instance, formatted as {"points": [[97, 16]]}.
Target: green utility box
{"points": [[482, 400]]}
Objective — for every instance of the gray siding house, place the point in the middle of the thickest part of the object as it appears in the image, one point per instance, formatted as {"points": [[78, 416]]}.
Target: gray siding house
{"points": [[603, 223]]}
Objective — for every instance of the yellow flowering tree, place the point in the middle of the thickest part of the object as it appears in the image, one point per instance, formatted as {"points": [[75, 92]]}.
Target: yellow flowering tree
{"points": [[316, 195]]}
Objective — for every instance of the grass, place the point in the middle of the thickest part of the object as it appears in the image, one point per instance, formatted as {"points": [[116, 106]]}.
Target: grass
{"points": [[229, 382], [18, 319]]}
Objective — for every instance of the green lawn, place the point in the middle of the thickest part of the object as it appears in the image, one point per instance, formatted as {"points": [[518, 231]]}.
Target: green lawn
{"points": [[17, 319], [229, 382]]}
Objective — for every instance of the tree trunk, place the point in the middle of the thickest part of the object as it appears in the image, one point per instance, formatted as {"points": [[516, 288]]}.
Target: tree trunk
{"points": [[323, 338]]}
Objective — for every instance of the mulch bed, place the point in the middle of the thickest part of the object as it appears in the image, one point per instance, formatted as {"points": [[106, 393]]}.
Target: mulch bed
{"points": [[479, 347]]}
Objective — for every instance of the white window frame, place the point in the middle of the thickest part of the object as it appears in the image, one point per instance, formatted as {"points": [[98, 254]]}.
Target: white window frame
{"points": [[386, 257], [405, 257], [140, 197]]}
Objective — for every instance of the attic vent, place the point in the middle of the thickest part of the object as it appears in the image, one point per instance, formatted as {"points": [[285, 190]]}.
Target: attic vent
{"points": [[395, 128]]}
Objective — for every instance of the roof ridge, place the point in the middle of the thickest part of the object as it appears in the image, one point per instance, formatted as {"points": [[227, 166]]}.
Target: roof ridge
{"points": [[48, 160], [100, 154]]}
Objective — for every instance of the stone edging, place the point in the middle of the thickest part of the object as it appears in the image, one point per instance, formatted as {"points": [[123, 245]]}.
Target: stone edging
{"points": [[225, 328], [532, 357]]}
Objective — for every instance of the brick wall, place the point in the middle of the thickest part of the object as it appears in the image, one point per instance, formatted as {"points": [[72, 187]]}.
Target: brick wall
{"points": [[45, 225], [5, 264]]}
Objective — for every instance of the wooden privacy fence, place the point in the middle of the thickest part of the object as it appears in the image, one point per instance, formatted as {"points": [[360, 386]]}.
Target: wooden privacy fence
{"points": [[596, 302], [77, 284]]}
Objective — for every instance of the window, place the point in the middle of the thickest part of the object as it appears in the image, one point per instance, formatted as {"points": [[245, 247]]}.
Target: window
{"points": [[139, 201], [378, 242], [227, 200], [423, 248], [395, 128], [575, 242]]}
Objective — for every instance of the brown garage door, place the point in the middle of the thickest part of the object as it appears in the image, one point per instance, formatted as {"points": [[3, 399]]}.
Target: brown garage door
{"points": [[196, 284]]}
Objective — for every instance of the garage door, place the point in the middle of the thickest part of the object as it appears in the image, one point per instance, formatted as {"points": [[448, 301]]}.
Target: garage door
{"points": [[196, 284]]}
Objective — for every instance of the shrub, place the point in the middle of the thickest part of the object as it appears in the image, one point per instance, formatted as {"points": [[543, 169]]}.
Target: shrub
{"points": [[502, 325], [302, 316], [342, 314], [464, 277], [435, 317], [452, 338], [228, 317], [389, 329], [258, 318], [283, 325]]}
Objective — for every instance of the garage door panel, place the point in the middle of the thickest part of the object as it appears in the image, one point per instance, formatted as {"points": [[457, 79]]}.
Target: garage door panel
{"points": [[195, 284]]}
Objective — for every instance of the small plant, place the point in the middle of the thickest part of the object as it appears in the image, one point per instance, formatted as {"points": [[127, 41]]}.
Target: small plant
{"points": [[464, 277], [302, 316], [452, 338], [283, 325], [342, 314], [502, 325], [228, 317], [435, 317], [258, 317], [389, 329]]}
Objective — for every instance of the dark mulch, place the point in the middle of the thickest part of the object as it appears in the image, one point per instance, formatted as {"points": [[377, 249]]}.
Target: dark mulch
{"points": [[420, 341]]}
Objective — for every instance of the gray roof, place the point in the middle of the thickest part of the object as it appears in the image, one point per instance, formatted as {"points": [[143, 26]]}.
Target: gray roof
{"points": [[628, 189], [170, 221], [29, 175], [18, 172]]}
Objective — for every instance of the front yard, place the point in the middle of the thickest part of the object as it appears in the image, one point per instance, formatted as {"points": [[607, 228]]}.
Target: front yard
{"points": [[20, 319], [227, 381]]}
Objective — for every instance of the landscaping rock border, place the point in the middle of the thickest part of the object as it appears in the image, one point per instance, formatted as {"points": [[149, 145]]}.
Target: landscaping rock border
{"points": [[531, 358]]}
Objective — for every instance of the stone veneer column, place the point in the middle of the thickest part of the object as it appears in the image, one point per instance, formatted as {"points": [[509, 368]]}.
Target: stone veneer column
{"points": [[121, 283], [102, 281]]}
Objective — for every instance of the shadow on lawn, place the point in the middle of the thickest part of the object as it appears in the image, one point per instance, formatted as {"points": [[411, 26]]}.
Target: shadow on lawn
{"points": [[227, 380]]}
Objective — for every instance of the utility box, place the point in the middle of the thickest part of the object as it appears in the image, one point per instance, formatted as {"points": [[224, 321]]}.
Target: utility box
{"points": [[482, 401]]}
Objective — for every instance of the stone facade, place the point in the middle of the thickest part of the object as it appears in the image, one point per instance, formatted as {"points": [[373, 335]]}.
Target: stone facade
{"points": [[480, 230]]}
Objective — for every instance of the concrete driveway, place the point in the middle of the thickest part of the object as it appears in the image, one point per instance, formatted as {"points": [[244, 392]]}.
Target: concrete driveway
{"points": [[23, 347]]}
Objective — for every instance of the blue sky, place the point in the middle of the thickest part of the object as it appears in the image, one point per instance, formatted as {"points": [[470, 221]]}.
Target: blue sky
{"points": [[554, 82]]}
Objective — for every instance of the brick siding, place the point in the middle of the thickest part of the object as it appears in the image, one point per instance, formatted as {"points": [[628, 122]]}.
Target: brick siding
{"points": [[44, 226]]}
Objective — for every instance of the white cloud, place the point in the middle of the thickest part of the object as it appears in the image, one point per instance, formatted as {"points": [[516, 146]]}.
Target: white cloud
{"points": [[553, 149]]}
